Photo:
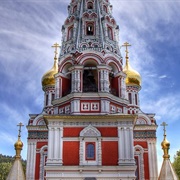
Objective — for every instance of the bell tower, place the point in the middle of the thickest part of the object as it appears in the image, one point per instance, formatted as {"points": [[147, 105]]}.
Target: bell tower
{"points": [[90, 63], [91, 126]]}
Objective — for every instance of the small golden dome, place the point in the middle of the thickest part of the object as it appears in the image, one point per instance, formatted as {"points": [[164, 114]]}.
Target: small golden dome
{"points": [[165, 146], [48, 77], [18, 144], [132, 76]]}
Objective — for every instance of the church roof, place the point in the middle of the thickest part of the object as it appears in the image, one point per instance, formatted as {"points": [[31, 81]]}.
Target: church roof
{"points": [[16, 172], [167, 172]]}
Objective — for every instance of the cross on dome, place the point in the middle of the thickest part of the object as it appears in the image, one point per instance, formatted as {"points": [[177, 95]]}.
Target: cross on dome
{"points": [[164, 125], [56, 46], [20, 125], [126, 45]]}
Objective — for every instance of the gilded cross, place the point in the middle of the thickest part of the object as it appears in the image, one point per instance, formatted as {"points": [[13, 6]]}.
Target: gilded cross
{"points": [[164, 125], [56, 46], [126, 45], [20, 125]]}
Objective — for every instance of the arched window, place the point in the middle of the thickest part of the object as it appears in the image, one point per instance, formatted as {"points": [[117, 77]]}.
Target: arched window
{"points": [[90, 151], [105, 8], [110, 33], [136, 100], [75, 9], [70, 33], [90, 5], [90, 29]]}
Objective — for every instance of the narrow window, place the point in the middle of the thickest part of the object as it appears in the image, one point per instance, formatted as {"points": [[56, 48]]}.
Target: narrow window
{"points": [[52, 97], [90, 29], [90, 151], [46, 99], [70, 33], [136, 101], [90, 5], [105, 8], [110, 33], [130, 98], [74, 9]]}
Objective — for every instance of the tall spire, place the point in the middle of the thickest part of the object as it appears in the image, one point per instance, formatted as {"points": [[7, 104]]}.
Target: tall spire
{"points": [[90, 26], [16, 171], [167, 172]]}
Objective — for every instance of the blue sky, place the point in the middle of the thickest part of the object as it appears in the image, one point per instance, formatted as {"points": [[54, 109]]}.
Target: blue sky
{"points": [[28, 29]]}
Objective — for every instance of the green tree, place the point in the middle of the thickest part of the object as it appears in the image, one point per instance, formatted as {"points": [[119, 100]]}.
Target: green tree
{"points": [[176, 163], [4, 170]]}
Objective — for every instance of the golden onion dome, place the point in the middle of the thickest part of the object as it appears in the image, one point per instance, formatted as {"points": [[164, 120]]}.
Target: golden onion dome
{"points": [[132, 76], [18, 144], [165, 146], [48, 77]]}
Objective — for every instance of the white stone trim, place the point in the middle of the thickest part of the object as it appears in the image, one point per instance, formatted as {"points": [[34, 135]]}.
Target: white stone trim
{"points": [[90, 134], [43, 155], [140, 155]]}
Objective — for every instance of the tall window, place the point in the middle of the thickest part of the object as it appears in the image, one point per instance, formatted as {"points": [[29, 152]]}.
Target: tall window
{"points": [[74, 9], [90, 151], [90, 5], [46, 99], [136, 100], [70, 33], [110, 33], [90, 29], [130, 98], [105, 8]]}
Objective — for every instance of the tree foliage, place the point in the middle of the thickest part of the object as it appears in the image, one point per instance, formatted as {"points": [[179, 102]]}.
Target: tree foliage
{"points": [[6, 164], [176, 163]]}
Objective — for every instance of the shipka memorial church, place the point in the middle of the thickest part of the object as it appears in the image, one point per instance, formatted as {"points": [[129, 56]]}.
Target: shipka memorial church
{"points": [[91, 126]]}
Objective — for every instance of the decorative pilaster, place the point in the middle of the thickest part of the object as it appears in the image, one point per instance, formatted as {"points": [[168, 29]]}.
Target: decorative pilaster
{"points": [[31, 159], [55, 144], [125, 146], [152, 157]]}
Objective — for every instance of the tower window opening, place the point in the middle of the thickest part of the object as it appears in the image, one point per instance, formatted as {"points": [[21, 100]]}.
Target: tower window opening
{"points": [[105, 8], [75, 9], [130, 98], [90, 29], [90, 151], [70, 33], [53, 97], [46, 99], [136, 101], [89, 5], [110, 33], [89, 81]]}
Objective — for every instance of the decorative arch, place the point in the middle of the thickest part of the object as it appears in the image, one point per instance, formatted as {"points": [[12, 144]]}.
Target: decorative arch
{"points": [[114, 61], [143, 119], [139, 156], [93, 15], [39, 120], [63, 62], [86, 15], [90, 131], [83, 58]]}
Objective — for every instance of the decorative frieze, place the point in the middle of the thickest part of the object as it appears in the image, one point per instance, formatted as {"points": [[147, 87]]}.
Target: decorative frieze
{"points": [[144, 134], [38, 135]]}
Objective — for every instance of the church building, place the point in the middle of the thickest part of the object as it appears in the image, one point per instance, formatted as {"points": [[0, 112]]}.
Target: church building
{"points": [[91, 126]]}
